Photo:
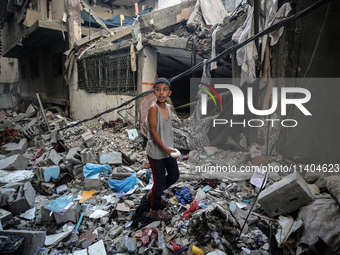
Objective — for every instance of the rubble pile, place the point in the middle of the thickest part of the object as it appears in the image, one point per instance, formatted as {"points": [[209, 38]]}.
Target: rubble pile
{"points": [[83, 190]]}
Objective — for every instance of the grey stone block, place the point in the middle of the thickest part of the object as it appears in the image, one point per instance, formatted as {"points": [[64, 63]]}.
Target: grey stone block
{"points": [[23, 200], [112, 158], [71, 214], [117, 230], [78, 171], [285, 196], [45, 215], [89, 139], [209, 151], [33, 240], [73, 156], [93, 182], [50, 158], [88, 156], [48, 187], [15, 162]]}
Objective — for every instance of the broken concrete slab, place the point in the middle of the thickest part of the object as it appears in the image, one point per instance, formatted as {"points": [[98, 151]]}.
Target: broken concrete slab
{"points": [[30, 111], [162, 19], [97, 249], [33, 240], [23, 200], [15, 162], [11, 149], [112, 158], [7, 191], [285, 196], [15, 176], [52, 240], [97, 214], [44, 174]]}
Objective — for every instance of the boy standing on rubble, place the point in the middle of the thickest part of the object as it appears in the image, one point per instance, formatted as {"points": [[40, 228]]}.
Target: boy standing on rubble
{"points": [[158, 148]]}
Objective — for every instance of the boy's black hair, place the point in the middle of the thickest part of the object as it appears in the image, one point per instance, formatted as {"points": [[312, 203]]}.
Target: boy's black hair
{"points": [[162, 80]]}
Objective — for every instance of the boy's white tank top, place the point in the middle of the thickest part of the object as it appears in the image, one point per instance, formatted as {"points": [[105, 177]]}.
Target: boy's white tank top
{"points": [[164, 130]]}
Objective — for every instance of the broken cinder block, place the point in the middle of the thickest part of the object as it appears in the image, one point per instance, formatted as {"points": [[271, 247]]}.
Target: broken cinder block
{"points": [[93, 182], [44, 174], [50, 158], [89, 139], [48, 187], [71, 214], [285, 196], [73, 156], [23, 200], [88, 156]]}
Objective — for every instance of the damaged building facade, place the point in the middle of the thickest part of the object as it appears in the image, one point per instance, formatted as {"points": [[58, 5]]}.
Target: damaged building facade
{"points": [[76, 186]]}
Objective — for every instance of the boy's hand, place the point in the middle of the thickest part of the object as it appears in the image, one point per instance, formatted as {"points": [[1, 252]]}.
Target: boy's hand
{"points": [[169, 151]]}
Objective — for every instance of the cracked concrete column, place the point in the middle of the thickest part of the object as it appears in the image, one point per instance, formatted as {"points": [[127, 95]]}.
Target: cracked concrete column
{"points": [[74, 34], [147, 72]]}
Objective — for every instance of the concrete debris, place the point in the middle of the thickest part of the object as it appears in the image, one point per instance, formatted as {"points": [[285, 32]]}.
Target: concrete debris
{"points": [[5, 216], [293, 192], [88, 156], [15, 162], [89, 139], [10, 149], [33, 240], [49, 167], [49, 158], [52, 240], [15, 176], [113, 158], [23, 199], [44, 174], [92, 182]]}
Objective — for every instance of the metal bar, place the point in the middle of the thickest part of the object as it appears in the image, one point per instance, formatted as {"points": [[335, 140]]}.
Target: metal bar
{"points": [[43, 112]]}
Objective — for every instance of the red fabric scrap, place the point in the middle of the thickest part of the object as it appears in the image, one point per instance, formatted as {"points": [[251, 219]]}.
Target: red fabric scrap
{"points": [[193, 208], [147, 233]]}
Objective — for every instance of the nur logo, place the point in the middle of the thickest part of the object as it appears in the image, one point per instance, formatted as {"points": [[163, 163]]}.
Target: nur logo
{"points": [[204, 98]]}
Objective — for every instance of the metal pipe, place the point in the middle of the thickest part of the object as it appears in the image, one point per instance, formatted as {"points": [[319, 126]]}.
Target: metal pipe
{"points": [[43, 112]]}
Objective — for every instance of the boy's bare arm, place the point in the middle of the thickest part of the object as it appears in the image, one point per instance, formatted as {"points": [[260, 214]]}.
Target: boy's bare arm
{"points": [[152, 117]]}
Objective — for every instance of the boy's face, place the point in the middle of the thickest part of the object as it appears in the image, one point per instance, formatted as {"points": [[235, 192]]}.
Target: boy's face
{"points": [[162, 92]]}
